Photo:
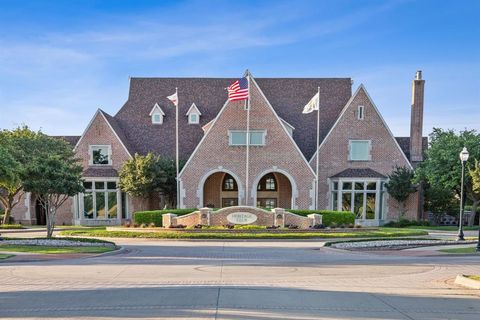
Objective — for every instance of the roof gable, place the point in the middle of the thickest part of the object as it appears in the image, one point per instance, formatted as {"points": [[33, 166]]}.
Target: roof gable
{"points": [[362, 93], [193, 109], [156, 109]]}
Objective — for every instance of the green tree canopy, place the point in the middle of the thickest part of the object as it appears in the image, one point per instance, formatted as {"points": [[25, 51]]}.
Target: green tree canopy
{"points": [[400, 186], [54, 175], [442, 167]]}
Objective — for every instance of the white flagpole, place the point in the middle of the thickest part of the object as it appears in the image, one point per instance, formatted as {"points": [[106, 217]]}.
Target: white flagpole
{"points": [[248, 142], [176, 149], [318, 142]]}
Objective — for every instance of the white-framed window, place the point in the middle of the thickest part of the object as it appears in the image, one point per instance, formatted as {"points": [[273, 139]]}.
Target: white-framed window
{"points": [[157, 114], [364, 197], [102, 200], [238, 137], [193, 118], [193, 114], [100, 155], [359, 150], [361, 112]]}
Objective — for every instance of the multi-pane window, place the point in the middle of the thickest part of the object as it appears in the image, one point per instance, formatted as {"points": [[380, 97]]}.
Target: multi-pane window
{"points": [[100, 155], [100, 200], [267, 183], [359, 150], [238, 137], [229, 202], [363, 198], [267, 203], [229, 183]]}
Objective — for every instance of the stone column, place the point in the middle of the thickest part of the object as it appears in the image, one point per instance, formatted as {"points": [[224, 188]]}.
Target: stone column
{"points": [[169, 220], [279, 217], [205, 216], [315, 219]]}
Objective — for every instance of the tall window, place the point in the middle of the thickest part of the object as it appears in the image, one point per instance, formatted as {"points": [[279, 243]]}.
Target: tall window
{"points": [[100, 155], [363, 198], [100, 200], [239, 137], [359, 150], [361, 113], [229, 183], [267, 183], [267, 203]]}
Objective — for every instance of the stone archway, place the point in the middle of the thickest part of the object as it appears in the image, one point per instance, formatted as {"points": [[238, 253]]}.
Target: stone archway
{"points": [[274, 189], [220, 189]]}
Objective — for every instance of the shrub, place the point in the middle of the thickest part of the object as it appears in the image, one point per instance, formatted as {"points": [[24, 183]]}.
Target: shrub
{"points": [[328, 216], [155, 216], [402, 223]]}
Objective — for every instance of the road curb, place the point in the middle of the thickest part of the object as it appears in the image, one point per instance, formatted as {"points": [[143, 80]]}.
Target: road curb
{"points": [[467, 282]]}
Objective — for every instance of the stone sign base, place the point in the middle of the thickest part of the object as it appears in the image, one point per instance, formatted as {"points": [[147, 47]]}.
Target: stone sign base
{"points": [[242, 215]]}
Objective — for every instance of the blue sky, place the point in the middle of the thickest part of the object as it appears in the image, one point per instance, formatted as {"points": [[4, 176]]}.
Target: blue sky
{"points": [[61, 60]]}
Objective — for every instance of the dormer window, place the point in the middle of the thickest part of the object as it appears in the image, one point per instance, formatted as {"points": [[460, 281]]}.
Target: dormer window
{"points": [[157, 114], [100, 155], [193, 114]]}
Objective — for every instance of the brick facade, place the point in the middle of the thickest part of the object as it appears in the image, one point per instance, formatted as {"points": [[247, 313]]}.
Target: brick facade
{"points": [[279, 154], [385, 152]]}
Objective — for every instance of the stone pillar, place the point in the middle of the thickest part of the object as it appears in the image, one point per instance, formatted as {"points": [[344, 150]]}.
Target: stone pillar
{"points": [[279, 217], [315, 219], [169, 220], [205, 216]]}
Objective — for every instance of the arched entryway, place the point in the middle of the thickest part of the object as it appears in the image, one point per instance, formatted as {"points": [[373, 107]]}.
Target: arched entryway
{"points": [[273, 190], [220, 190]]}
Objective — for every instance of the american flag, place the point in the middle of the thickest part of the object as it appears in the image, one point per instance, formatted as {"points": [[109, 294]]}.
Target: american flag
{"points": [[238, 90]]}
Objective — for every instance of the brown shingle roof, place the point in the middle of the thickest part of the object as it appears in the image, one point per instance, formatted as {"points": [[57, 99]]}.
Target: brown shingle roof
{"points": [[119, 131], [288, 96], [72, 140], [404, 143], [359, 173]]}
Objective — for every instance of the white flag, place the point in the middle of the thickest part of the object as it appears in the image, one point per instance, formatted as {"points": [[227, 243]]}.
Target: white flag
{"points": [[312, 105], [174, 99]]}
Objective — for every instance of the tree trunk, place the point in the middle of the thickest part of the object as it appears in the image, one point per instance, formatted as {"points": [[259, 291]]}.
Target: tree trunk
{"points": [[7, 213], [471, 219], [50, 212]]}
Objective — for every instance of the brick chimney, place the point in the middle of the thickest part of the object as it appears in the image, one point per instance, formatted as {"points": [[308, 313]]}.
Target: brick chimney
{"points": [[416, 121]]}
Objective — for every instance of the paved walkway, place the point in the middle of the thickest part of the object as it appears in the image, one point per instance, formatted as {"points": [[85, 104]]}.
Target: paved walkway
{"points": [[239, 280]]}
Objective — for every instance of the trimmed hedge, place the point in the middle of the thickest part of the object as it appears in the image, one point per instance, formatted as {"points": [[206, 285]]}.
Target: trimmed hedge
{"points": [[329, 217], [155, 216]]}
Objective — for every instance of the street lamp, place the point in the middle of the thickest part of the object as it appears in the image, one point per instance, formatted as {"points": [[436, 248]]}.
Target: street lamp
{"points": [[463, 158]]}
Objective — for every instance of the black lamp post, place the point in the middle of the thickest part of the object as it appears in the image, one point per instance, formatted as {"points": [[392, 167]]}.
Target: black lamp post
{"points": [[463, 158]]}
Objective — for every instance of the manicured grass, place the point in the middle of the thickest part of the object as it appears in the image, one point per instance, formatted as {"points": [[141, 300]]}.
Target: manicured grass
{"points": [[5, 256], [459, 250], [474, 277], [52, 250], [441, 228], [11, 226], [381, 233]]}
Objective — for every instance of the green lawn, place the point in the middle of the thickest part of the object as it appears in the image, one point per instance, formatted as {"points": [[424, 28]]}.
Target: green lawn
{"points": [[381, 233], [442, 228], [51, 250], [5, 256], [459, 250], [11, 226]]}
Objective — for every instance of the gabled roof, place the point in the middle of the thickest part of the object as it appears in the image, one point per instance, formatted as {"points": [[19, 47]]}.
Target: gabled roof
{"points": [[193, 108], [361, 88], [114, 126], [359, 173], [287, 96], [156, 109], [404, 143]]}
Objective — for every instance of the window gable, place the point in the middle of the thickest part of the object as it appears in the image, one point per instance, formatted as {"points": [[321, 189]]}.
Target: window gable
{"points": [[100, 155], [157, 114], [193, 114], [359, 150], [238, 137]]}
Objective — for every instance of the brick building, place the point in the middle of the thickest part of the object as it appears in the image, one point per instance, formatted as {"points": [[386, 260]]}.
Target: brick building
{"points": [[356, 153]]}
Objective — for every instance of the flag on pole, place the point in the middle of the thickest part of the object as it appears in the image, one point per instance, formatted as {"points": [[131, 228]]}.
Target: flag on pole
{"points": [[174, 98], [313, 104], [238, 90]]}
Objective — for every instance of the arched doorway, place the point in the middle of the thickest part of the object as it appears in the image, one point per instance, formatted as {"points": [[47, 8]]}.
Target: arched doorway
{"points": [[274, 190], [220, 190]]}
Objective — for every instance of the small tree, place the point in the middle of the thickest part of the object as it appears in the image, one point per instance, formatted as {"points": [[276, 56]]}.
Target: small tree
{"points": [[54, 175], [400, 186], [15, 153], [168, 181], [140, 176]]}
